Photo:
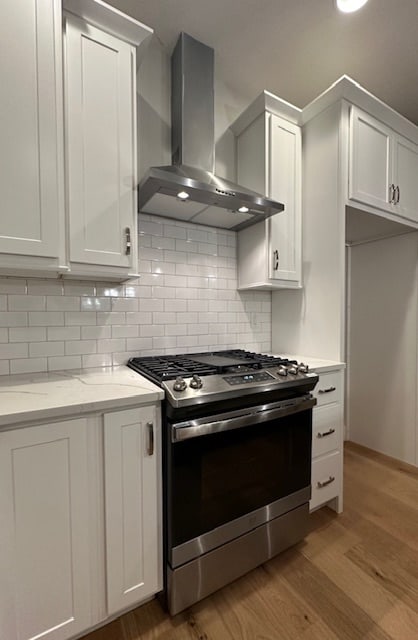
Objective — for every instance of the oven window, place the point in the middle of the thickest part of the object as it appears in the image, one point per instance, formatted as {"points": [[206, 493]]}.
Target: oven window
{"points": [[216, 478]]}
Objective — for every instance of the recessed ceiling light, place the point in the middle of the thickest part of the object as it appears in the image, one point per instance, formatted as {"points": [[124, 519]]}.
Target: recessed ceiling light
{"points": [[243, 209], [348, 6], [183, 195]]}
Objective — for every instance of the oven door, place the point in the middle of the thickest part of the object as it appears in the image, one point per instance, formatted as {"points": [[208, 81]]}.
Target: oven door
{"points": [[230, 473]]}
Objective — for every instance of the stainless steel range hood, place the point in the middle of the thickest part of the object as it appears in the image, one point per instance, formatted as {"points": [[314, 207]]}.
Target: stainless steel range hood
{"points": [[188, 189]]}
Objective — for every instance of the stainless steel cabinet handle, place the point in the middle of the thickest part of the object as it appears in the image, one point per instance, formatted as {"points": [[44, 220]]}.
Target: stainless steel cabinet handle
{"points": [[324, 434], [324, 483], [391, 194], [128, 243], [150, 446], [327, 390], [275, 260], [398, 194]]}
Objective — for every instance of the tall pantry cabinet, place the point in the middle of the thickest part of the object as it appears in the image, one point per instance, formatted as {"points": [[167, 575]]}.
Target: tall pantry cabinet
{"points": [[359, 205]]}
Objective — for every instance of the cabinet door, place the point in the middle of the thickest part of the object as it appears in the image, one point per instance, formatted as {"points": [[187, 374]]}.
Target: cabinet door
{"points": [[100, 134], [133, 522], [44, 554], [30, 166], [284, 245], [406, 178], [370, 160]]}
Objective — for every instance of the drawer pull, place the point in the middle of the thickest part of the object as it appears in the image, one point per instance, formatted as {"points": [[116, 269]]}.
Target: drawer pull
{"points": [[329, 390], [150, 445], [324, 434], [324, 483]]}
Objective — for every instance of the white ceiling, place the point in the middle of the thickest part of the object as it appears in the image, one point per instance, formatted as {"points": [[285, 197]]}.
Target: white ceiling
{"points": [[297, 48]]}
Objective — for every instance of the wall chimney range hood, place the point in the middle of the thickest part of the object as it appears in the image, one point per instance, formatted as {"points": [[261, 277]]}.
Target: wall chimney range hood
{"points": [[188, 189]]}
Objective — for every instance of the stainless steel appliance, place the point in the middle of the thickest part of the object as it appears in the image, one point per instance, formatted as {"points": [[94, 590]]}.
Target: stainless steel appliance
{"points": [[188, 189], [237, 429]]}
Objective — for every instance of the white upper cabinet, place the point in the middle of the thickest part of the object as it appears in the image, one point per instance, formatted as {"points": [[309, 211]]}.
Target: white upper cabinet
{"points": [[269, 161], [30, 134], [100, 134], [383, 167], [80, 221]]}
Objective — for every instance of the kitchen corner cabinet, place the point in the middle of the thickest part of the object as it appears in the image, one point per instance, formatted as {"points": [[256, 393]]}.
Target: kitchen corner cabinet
{"points": [[100, 135], [383, 167], [328, 441], [31, 175], [269, 161], [80, 529]]}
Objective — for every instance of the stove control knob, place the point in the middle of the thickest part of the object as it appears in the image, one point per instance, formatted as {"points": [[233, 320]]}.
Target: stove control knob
{"points": [[179, 384], [282, 371], [196, 382], [303, 368], [293, 369]]}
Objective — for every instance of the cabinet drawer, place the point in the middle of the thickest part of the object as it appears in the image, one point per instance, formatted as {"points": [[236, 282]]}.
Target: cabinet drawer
{"points": [[325, 479], [329, 388], [326, 429]]}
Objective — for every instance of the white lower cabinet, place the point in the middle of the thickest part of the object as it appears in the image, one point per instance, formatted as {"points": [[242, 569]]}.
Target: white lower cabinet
{"points": [[80, 529], [131, 445], [44, 551], [327, 441]]}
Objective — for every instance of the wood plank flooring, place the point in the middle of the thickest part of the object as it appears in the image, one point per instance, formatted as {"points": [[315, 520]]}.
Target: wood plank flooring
{"points": [[354, 577]]}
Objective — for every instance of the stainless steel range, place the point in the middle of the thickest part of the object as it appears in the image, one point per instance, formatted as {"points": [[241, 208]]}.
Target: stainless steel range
{"points": [[237, 430]]}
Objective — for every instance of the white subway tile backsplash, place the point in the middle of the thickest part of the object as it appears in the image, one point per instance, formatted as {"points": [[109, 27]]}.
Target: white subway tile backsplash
{"points": [[111, 346], [139, 317], [96, 332], [63, 333], [81, 318], [28, 365], [113, 317], [95, 304], [14, 350], [152, 330], [63, 303], [185, 300], [124, 330], [26, 334], [73, 288], [45, 318], [44, 287], [27, 303], [75, 347], [124, 304], [96, 360], [4, 367], [13, 319], [56, 363], [12, 285], [37, 349]]}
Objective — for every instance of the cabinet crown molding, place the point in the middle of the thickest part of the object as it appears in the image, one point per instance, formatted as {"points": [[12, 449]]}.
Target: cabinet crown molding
{"points": [[111, 20]]}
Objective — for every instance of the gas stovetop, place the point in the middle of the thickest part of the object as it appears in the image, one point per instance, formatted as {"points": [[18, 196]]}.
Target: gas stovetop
{"points": [[218, 375]]}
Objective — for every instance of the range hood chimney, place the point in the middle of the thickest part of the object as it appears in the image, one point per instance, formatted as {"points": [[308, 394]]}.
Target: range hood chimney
{"points": [[188, 189]]}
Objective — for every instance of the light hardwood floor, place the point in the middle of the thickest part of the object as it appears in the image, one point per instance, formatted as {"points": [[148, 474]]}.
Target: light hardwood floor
{"points": [[354, 577]]}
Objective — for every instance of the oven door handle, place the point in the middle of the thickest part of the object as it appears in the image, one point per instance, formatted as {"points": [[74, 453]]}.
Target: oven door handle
{"points": [[191, 429]]}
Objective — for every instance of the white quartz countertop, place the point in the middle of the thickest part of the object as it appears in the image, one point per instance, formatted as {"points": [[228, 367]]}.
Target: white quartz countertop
{"points": [[316, 364], [40, 396]]}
